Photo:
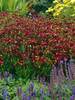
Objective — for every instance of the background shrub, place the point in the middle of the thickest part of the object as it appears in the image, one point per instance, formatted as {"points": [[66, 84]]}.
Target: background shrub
{"points": [[62, 8]]}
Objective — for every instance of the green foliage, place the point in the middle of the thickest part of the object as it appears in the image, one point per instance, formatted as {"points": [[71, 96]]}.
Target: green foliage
{"points": [[41, 5], [21, 6], [11, 85], [62, 8], [31, 70], [28, 70]]}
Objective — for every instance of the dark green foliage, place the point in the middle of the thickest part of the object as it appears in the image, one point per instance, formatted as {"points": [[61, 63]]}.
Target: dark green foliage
{"points": [[42, 5]]}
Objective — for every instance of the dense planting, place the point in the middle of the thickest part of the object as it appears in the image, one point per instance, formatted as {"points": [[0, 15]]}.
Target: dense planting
{"points": [[37, 50], [12, 89], [38, 41]]}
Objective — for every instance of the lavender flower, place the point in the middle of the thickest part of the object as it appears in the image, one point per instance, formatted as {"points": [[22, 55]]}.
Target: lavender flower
{"points": [[5, 94], [42, 94], [24, 96], [5, 74], [6, 77], [29, 98], [31, 85], [41, 91], [72, 97], [73, 91], [61, 62], [19, 91], [33, 93], [73, 94]]}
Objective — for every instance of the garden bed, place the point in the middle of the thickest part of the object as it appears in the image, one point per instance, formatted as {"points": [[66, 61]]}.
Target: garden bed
{"points": [[35, 47]]}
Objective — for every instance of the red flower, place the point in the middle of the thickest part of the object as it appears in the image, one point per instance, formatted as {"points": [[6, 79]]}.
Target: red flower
{"points": [[44, 43], [42, 60], [1, 62], [43, 35], [2, 32], [58, 56], [36, 52], [32, 41], [4, 14], [27, 33], [8, 40], [24, 55]]}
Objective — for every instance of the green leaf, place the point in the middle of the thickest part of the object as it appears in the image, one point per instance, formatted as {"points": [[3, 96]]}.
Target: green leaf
{"points": [[22, 48]]}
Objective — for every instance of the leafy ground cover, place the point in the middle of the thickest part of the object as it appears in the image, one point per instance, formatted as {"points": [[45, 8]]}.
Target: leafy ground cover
{"points": [[20, 89]]}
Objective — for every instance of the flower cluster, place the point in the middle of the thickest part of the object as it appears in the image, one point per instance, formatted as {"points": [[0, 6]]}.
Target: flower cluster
{"points": [[40, 40]]}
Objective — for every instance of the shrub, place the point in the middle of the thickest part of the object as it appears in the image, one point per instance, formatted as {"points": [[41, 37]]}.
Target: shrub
{"points": [[62, 8], [34, 43]]}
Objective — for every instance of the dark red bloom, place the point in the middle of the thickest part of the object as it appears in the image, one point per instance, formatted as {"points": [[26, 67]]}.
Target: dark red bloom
{"points": [[42, 60], [1, 62]]}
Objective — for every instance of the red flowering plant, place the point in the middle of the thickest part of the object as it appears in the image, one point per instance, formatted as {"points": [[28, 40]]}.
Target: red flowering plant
{"points": [[38, 42]]}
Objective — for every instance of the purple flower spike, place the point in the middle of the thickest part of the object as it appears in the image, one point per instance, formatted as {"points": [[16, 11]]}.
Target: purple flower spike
{"points": [[31, 85], [73, 91], [41, 91], [33, 93], [6, 74], [72, 97], [24, 96], [29, 98], [19, 91], [61, 61], [5, 94]]}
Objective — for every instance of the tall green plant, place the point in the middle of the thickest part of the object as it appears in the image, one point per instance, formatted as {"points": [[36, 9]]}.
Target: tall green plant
{"points": [[21, 6]]}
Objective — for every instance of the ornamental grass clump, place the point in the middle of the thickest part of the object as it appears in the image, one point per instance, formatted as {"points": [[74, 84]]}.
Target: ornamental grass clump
{"points": [[22, 7]]}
